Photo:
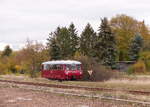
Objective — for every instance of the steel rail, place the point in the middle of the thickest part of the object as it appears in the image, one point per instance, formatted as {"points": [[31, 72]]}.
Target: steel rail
{"points": [[79, 87], [82, 95]]}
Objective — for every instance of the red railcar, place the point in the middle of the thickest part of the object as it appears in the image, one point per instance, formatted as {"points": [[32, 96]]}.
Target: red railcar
{"points": [[62, 69]]}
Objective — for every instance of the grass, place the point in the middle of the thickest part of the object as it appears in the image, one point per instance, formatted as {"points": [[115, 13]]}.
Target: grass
{"points": [[138, 82], [132, 82]]}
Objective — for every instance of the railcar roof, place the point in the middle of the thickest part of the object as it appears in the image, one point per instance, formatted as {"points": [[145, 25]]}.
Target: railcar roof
{"points": [[62, 62]]}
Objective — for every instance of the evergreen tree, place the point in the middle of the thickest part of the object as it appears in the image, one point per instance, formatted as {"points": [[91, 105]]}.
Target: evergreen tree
{"points": [[7, 51], [106, 45], [87, 41], [64, 42], [55, 52], [74, 39], [60, 43], [53, 46], [135, 47]]}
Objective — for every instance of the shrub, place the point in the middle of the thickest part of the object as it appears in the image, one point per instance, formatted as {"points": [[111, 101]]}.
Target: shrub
{"points": [[34, 74], [18, 68], [85, 65], [139, 67], [148, 65], [3, 69], [130, 70], [100, 73], [145, 56]]}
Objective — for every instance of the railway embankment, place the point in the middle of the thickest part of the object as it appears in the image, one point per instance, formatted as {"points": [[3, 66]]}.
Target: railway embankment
{"points": [[112, 89]]}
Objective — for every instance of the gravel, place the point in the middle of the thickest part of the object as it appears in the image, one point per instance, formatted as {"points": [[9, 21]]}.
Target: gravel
{"points": [[16, 97]]}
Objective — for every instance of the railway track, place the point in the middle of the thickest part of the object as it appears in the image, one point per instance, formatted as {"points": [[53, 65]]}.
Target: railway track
{"points": [[138, 92], [142, 103]]}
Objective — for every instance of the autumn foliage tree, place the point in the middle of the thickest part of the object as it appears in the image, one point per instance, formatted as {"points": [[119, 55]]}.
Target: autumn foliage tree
{"points": [[115, 36], [125, 28], [31, 57]]}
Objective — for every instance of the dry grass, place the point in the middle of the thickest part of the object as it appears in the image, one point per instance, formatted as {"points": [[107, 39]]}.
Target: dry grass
{"points": [[129, 82]]}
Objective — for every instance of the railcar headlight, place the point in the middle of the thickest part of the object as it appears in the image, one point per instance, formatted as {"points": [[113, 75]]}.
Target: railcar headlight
{"points": [[81, 72]]}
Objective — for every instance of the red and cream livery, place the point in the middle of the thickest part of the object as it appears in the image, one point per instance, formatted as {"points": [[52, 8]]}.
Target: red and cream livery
{"points": [[62, 69]]}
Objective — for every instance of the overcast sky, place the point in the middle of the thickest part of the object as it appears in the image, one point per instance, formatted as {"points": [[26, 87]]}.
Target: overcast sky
{"points": [[35, 19]]}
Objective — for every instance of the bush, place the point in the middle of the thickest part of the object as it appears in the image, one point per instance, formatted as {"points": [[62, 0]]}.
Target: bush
{"points": [[130, 70], [100, 73], [34, 74], [139, 67], [3, 69], [86, 63], [145, 56], [148, 65]]}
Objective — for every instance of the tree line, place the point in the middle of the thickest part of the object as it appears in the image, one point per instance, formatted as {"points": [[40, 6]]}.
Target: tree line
{"points": [[122, 38], [64, 43]]}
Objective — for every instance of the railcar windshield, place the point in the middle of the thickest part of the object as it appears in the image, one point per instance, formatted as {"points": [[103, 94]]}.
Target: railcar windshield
{"points": [[78, 67]]}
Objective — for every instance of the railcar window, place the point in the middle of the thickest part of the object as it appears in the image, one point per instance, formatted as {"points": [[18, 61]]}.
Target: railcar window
{"points": [[46, 67], [71, 67], [50, 67], [67, 67], [59, 67], [53, 67]]}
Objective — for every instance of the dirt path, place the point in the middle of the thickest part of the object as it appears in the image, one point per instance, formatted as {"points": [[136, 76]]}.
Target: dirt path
{"points": [[15, 97]]}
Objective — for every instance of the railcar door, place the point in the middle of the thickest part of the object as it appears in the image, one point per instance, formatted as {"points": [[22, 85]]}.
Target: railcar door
{"points": [[61, 71], [58, 71], [45, 71]]}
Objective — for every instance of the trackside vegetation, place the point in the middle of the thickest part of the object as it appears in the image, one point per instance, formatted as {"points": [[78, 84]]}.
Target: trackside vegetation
{"points": [[122, 38]]}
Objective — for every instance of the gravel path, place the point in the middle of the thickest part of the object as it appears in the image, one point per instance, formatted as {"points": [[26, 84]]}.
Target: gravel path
{"points": [[15, 97]]}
